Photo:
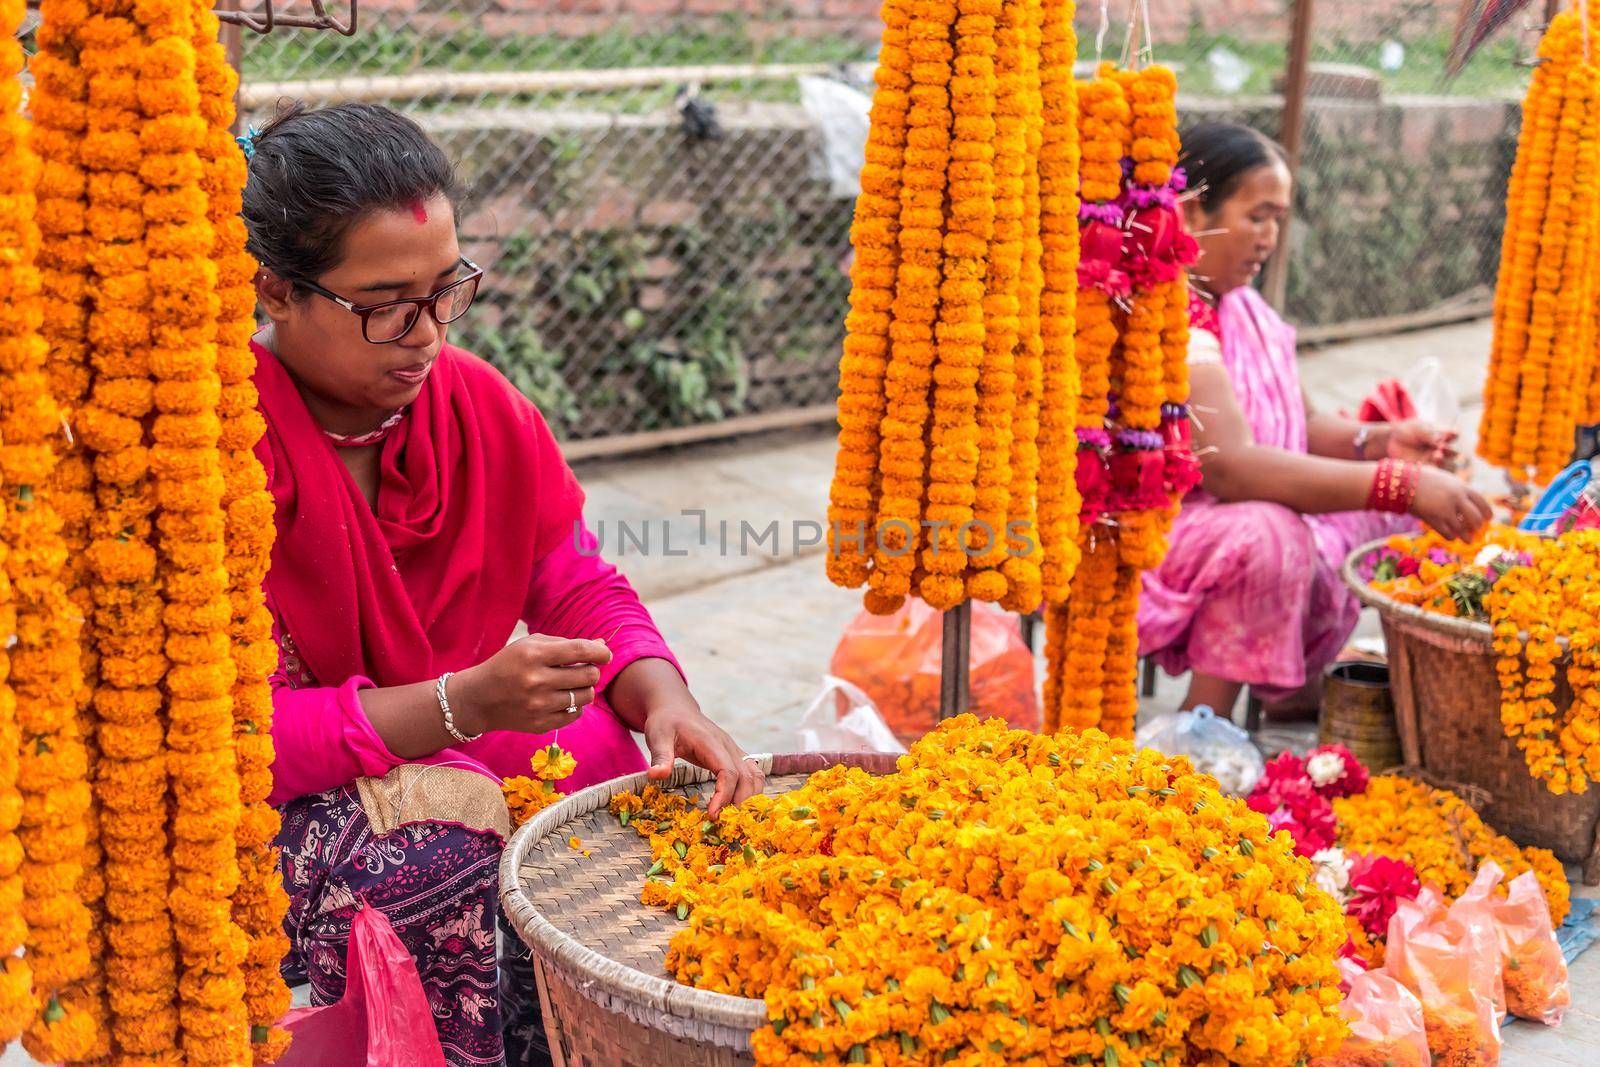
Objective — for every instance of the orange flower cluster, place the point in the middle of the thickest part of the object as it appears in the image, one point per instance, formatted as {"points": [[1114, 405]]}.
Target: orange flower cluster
{"points": [[43, 768], [948, 392], [1543, 378], [1440, 835], [1450, 577], [1004, 897], [145, 299], [1535, 611], [528, 796]]}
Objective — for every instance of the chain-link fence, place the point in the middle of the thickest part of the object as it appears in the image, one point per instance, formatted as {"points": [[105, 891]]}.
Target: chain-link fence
{"points": [[667, 247]]}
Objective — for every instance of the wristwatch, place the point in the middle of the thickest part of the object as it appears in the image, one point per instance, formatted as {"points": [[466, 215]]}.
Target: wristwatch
{"points": [[1363, 435]]}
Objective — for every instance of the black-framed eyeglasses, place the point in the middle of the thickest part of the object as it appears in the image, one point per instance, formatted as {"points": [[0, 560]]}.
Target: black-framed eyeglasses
{"points": [[391, 320]]}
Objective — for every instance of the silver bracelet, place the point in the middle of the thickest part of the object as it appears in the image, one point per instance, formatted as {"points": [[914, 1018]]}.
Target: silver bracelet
{"points": [[444, 706]]}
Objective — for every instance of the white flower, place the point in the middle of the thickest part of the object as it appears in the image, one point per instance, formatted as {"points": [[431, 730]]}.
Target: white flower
{"points": [[1325, 768], [1331, 872], [1487, 555]]}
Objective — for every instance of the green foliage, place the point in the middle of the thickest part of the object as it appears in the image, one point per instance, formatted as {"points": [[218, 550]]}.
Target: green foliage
{"points": [[534, 368]]}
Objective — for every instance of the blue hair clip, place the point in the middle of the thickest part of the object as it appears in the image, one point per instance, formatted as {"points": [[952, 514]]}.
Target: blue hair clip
{"points": [[247, 142]]}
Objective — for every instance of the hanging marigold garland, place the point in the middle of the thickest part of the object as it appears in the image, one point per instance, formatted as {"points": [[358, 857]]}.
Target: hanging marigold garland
{"points": [[38, 712], [946, 379], [1132, 426], [874, 236], [132, 781], [59, 107], [260, 902], [1542, 377], [18, 346], [1058, 168]]}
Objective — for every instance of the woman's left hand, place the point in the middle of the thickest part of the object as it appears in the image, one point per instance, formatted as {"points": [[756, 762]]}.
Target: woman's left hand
{"points": [[682, 730], [1417, 442]]}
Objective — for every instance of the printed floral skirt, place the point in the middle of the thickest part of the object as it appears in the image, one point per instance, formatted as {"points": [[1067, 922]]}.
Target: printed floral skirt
{"points": [[437, 883]]}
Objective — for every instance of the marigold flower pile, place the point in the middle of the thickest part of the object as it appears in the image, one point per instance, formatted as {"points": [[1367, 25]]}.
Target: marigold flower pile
{"points": [[957, 381], [1003, 898], [1545, 619], [137, 533], [1134, 462], [1542, 379], [1374, 842]]}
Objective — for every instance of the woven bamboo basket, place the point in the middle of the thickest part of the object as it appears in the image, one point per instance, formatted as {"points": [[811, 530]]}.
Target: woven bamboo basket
{"points": [[598, 954], [1447, 711]]}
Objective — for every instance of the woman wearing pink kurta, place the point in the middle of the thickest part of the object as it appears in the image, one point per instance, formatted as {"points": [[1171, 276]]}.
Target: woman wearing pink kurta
{"points": [[423, 511], [1249, 592]]}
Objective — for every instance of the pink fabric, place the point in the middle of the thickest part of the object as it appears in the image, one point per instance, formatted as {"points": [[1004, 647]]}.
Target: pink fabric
{"points": [[434, 578], [1250, 591]]}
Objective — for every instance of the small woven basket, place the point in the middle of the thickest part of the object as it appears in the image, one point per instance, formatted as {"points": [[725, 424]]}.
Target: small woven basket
{"points": [[1447, 711], [599, 954]]}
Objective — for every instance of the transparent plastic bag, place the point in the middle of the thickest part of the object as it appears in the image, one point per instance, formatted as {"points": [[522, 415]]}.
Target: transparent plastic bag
{"points": [[1454, 979], [1215, 746], [1533, 969], [1432, 396], [843, 719], [896, 659], [841, 113], [1386, 1028]]}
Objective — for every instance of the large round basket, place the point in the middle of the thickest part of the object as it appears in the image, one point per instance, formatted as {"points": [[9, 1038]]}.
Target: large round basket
{"points": [[598, 953], [1447, 710]]}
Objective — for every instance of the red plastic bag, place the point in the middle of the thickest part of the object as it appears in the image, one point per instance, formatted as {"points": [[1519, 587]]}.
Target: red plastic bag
{"points": [[383, 1019], [1470, 923], [1386, 1027], [895, 659], [1456, 983], [1533, 969]]}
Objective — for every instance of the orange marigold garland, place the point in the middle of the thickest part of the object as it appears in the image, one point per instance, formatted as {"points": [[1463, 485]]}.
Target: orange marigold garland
{"points": [[131, 782], [959, 333], [260, 902], [1058, 173], [909, 377], [1533, 609], [51, 798], [1005, 359], [1542, 362], [186, 463], [1025, 552], [19, 347], [874, 236]]}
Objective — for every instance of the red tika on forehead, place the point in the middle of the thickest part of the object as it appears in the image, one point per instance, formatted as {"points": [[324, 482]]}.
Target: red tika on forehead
{"points": [[418, 211]]}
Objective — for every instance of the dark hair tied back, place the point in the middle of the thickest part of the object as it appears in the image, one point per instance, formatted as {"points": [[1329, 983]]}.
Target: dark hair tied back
{"points": [[1217, 155], [315, 173]]}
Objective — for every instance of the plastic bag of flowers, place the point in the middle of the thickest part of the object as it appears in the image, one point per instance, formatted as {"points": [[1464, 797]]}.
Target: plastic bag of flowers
{"points": [[1533, 969], [1004, 898], [1456, 981], [1386, 1028]]}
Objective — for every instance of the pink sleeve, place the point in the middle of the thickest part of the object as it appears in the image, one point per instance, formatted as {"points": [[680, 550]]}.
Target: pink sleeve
{"points": [[322, 740]]}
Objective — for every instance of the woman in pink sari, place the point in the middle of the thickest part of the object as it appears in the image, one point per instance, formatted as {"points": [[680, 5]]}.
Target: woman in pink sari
{"points": [[1249, 593], [423, 511]]}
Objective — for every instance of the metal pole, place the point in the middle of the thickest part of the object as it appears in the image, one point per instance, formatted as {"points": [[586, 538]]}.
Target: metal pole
{"points": [[1275, 285], [232, 45], [955, 662]]}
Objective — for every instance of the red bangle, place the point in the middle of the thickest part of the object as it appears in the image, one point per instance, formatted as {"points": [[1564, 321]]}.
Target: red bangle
{"points": [[1394, 487]]}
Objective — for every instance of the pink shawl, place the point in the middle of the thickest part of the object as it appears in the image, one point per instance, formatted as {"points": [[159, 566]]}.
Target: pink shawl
{"points": [[404, 591], [1258, 352]]}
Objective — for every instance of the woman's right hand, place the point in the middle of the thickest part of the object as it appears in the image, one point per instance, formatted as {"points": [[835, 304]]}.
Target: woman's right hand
{"points": [[1449, 505], [528, 685]]}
